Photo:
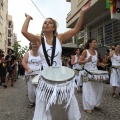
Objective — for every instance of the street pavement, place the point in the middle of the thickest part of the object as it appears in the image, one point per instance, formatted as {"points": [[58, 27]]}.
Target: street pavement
{"points": [[14, 104]]}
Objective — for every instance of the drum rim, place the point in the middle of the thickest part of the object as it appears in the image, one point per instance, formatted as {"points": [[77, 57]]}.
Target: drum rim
{"points": [[58, 81], [65, 80], [105, 72]]}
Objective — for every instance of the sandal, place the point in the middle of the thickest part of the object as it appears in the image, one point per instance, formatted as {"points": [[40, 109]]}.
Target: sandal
{"points": [[97, 108], [114, 96], [31, 105], [88, 111]]}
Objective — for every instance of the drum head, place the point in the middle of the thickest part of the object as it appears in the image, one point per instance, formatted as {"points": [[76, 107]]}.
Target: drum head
{"points": [[58, 74], [35, 79]]}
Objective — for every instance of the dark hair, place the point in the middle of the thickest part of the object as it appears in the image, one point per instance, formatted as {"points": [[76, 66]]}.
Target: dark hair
{"points": [[87, 44], [76, 49], [10, 50]]}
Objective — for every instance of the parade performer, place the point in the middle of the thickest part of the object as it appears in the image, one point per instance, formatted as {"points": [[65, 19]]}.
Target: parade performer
{"points": [[32, 64], [115, 72], [75, 61], [92, 91], [49, 33]]}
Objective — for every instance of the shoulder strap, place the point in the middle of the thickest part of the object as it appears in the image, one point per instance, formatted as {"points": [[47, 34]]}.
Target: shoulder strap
{"points": [[53, 50]]}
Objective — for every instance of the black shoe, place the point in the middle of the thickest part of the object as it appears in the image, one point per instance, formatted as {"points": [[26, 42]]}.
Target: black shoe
{"points": [[12, 85], [5, 86]]}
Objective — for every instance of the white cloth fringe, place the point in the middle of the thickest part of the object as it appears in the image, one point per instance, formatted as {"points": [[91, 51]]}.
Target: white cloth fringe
{"points": [[56, 93]]}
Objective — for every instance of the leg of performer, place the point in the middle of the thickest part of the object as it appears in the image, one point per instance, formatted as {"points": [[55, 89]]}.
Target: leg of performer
{"points": [[40, 112], [98, 93], [114, 82], [74, 114], [31, 92], [89, 98]]}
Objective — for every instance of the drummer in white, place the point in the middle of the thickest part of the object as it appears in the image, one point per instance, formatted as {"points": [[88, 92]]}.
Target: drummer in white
{"points": [[48, 36], [77, 66], [32, 64], [115, 73], [92, 91]]}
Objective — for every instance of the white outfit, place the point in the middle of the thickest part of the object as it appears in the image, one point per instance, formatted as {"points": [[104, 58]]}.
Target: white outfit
{"points": [[115, 73], [77, 77], [34, 63], [40, 108], [92, 91]]}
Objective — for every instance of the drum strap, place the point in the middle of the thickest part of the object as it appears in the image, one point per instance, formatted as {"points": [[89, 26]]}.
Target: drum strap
{"points": [[53, 50]]}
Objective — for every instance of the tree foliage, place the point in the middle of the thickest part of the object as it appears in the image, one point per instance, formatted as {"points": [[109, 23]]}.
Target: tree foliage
{"points": [[18, 50]]}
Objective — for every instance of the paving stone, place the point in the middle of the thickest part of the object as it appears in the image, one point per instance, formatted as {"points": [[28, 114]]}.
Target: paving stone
{"points": [[14, 104]]}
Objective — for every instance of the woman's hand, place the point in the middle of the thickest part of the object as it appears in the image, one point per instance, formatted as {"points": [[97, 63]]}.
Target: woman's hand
{"points": [[86, 7], [102, 65], [29, 71], [89, 59], [28, 16]]}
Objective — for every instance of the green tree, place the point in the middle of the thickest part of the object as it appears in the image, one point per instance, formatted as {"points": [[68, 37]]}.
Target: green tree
{"points": [[18, 50]]}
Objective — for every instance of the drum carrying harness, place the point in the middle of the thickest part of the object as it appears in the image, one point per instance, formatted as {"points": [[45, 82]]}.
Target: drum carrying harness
{"points": [[53, 50]]}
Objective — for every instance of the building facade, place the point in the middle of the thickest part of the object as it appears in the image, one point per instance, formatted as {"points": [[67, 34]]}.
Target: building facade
{"points": [[10, 40], [3, 24], [97, 23]]}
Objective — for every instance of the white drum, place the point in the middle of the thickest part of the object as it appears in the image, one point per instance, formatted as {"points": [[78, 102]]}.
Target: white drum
{"points": [[57, 74], [115, 67], [95, 75], [36, 79], [56, 85]]}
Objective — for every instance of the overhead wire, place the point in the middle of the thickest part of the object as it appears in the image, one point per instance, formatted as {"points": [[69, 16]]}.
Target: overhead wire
{"points": [[38, 9]]}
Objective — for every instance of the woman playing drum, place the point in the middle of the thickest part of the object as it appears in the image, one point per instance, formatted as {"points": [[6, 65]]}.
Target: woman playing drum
{"points": [[92, 91], [77, 67], [48, 36], [31, 63], [115, 73]]}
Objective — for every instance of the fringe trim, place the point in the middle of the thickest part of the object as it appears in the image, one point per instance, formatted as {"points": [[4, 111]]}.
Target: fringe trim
{"points": [[98, 78], [55, 93]]}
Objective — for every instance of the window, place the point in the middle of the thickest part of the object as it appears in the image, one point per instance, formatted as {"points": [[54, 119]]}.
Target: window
{"points": [[107, 33]]}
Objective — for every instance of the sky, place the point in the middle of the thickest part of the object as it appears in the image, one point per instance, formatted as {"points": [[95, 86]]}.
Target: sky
{"points": [[57, 9]]}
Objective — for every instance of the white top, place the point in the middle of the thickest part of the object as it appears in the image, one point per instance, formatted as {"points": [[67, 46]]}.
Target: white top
{"points": [[115, 59], [77, 66], [34, 63], [57, 57], [92, 65]]}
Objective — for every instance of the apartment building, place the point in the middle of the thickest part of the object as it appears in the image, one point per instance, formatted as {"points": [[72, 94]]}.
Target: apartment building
{"points": [[99, 22], [3, 24], [10, 40]]}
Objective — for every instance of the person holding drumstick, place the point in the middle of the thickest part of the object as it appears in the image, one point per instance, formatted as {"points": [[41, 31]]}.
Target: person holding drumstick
{"points": [[51, 55], [31, 63], [92, 91], [77, 67], [115, 73]]}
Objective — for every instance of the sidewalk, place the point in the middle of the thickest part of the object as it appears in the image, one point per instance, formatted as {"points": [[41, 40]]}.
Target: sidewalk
{"points": [[14, 104]]}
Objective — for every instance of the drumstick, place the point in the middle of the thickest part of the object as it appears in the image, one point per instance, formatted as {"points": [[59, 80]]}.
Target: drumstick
{"points": [[35, 70], [32, 71]]}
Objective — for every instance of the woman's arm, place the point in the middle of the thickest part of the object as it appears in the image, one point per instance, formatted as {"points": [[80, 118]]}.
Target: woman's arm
{"points": [[82, 58], [73, 60], [24, 62], [69, 34], [111, 54], [31, 37]]}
